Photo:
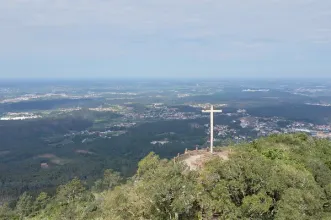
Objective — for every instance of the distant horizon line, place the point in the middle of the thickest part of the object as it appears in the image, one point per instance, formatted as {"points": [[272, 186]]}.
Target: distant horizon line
{"points": [[34, 79]]}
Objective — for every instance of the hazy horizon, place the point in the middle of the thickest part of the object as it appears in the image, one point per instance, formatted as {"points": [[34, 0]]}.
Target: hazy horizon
{"points": [[165, 39], [326, 79]]}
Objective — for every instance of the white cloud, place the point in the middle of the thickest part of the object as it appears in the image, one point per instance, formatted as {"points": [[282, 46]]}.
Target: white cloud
{"points": [[204, 26], [217, 14], [321, 36]]}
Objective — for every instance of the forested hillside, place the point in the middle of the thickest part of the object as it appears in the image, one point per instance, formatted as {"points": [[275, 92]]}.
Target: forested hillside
{"points": [[278, 177]]}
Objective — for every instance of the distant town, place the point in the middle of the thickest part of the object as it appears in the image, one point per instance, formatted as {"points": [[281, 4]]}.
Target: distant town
{"points": [[186, 107]]}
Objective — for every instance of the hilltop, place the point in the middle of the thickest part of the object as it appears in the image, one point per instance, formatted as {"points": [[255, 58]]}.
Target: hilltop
{"points": [[278, 177], [196, 159]]}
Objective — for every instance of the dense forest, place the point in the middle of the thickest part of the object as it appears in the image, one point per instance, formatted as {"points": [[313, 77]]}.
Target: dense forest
{"points": [[297, 112], [278, 177], [27, 144]]}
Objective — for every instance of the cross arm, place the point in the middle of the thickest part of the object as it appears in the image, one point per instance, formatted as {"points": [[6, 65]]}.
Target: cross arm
{"points": [[212, 111]]}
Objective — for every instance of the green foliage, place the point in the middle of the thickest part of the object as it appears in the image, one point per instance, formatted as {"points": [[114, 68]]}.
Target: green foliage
{"points": [[298, 204], [28, 143], [109, 181], [41, 202], [71, 201], [70, 192], [24, 205], [278, 177], [148, 164], [257, 205], [6, 213], [162, 192]]}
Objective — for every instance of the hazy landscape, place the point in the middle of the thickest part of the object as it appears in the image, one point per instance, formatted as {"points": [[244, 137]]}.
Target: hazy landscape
{"points": [[165, 110], [53, 132]]}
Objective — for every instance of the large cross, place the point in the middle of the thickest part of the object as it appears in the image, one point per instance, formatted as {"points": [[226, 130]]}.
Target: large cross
{"points": [[211, 111]]}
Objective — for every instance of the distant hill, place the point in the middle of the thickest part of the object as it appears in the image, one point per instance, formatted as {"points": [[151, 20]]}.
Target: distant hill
{"points": [[278, 177]]}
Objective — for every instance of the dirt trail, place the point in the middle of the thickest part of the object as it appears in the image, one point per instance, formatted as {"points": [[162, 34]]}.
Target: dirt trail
{"points": [[195, 159]]}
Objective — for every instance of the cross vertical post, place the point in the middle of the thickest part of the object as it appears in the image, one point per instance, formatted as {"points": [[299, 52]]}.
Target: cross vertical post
{"points": [[211, 111], [211, 128]]}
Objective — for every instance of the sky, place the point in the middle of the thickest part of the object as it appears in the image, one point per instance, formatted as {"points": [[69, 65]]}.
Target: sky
{"points": [[172, 38]]}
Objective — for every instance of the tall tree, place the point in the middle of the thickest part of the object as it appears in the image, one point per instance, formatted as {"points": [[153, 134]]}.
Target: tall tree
{"points": [[24, 205]]}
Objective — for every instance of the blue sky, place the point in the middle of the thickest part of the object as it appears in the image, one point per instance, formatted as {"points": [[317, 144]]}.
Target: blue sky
{"points": [[173, 38]]}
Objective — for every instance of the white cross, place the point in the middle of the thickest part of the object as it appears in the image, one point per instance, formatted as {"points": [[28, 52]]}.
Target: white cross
{"points": [[211, 111]]}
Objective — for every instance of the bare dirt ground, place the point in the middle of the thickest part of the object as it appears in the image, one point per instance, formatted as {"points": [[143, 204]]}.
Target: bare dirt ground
{"points": [[195, 159]]}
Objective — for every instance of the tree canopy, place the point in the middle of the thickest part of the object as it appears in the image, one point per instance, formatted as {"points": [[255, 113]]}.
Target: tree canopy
{"points": [[278, 177]]}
